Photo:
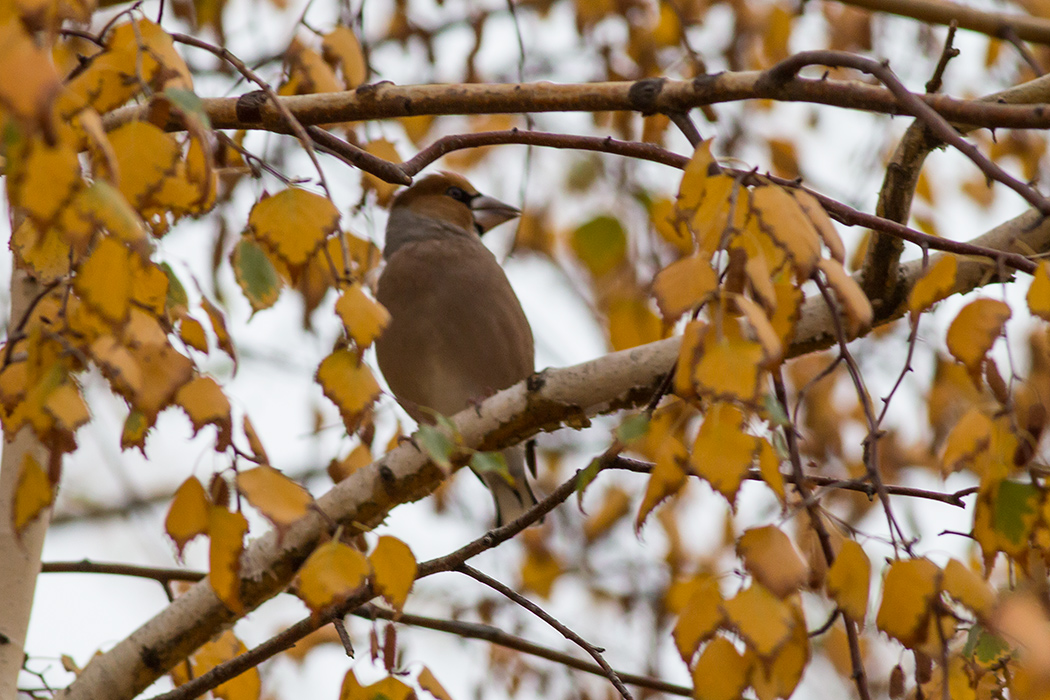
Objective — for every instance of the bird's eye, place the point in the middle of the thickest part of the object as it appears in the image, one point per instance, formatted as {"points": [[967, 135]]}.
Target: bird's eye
{"points": [[459, 194]]}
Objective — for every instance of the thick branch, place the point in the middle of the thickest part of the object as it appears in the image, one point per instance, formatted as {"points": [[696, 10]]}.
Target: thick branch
{"points": [[997, 24], [387, 101]]}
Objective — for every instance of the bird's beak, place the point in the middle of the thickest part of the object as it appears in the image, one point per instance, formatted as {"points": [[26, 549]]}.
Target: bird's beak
{"points": [[490, 212]]}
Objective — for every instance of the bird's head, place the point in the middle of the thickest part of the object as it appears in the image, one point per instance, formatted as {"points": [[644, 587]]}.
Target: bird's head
{"points": [[439, 205]]}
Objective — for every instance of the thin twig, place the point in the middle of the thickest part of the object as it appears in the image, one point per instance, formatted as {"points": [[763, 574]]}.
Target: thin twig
{"points": [[947, 53], [539, 612], [494, 635], [786, 70], [817, 522]]}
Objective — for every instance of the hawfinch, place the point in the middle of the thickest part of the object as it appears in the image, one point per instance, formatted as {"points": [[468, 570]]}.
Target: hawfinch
{"points": [[457, 332]]}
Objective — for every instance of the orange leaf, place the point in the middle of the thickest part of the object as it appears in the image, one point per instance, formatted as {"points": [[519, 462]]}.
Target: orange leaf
{"points": [[769, 466], [773, 560], [849, 580], [254, 443], [192, 333], [188, 514], [37, 80], [226, 531], [936, 284], [822, 222], [729, 365], [331, 574], [970, 436], [974, 330], [33, 495], [395, 570], [1039, 292], [278, 498], [632, 323], [616, 503]]}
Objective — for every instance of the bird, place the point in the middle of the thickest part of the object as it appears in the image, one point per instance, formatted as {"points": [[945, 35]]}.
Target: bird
{"points": [[457, 332]]}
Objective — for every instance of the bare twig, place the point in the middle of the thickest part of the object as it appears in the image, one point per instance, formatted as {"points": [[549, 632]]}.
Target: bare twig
{"points": [[564, 631]]}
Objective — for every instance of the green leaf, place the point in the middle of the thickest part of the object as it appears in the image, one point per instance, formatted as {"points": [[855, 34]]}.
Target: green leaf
{"points": [[189, 103], [255, 274], [777, 416], [600, 244], [632, 428], [483, 462], [984, 647], [1015, 509], [435, 444], [177, 301], [585, 478]]}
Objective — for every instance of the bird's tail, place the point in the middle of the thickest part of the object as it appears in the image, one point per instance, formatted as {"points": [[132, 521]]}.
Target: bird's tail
{"points": [[511, 500]]}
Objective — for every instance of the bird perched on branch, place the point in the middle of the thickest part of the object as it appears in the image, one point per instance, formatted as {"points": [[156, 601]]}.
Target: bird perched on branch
{"points": [[457, 332]]}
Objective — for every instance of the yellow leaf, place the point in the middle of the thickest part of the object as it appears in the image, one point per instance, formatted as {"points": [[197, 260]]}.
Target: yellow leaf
{"points": [[245, 686], [349, 384], [822, 222], [394, 568], [769, 466], [278, 498], [145, 157], [429, 683], [339, 469], [762, 620], [968, 588], [764, 331], [778, 677], [26, 97], [307, 72], [341, 47], [729, 365], [664, 217], [226, 531], [164, 371], [720, 673], [682, 285], [691, 190], [849, 580], [389, 688], [294, 223], [723, 452], [331, 574], [773, 560], [688, 354], [711, 219], [188, 514], [66, 405], [381, 148], [540, 568], [780, 216], [33, 495], [43, 180], [192, 333], [854, 302], [363, 318], [632, 323], [973, 332], [936, 284], [104, 279], [616, 503], [700, 618], [907, 598], [254, 443], [970, 436], [667, 478], [1039, 292], [205, 403]]}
